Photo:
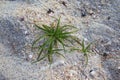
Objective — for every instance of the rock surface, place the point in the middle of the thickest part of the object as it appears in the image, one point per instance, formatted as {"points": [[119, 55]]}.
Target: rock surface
{"points": [[11, 35], [98, 21]]}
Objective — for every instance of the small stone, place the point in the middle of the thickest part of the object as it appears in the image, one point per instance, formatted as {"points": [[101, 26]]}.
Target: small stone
{"points": [[64, 3], [62, 61], [26, 32], [30, 56], [22, 19], [85, 39], [51, 14], [105, 54], [92, 72], [83, 13], [75, 63], [50, 11], [108, 17], [119, 67], [73, 72], [91, 12]]}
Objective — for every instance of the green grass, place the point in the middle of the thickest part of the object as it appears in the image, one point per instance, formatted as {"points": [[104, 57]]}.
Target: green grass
{"points": [[85, 50], [54, 40]]}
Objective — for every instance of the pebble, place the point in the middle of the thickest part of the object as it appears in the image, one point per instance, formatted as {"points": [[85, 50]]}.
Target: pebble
{"points": [[26, 32], [85, 39], [72, 72], [30, 56], [119, 67], [92, 72]]}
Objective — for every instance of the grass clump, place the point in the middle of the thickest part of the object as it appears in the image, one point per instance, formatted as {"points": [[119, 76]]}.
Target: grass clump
{"points": [[85, 50], [55, 38]]}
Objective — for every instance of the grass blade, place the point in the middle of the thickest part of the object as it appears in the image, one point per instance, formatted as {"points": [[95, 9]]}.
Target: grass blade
{"points": [[37, 40], [60, 54]]}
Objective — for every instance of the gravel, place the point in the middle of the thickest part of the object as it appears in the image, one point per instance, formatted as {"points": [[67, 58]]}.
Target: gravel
{"points": [[97, 21]]}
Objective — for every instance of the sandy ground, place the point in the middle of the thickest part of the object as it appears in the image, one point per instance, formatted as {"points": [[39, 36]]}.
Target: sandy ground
{"points": [[92, 18]]}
